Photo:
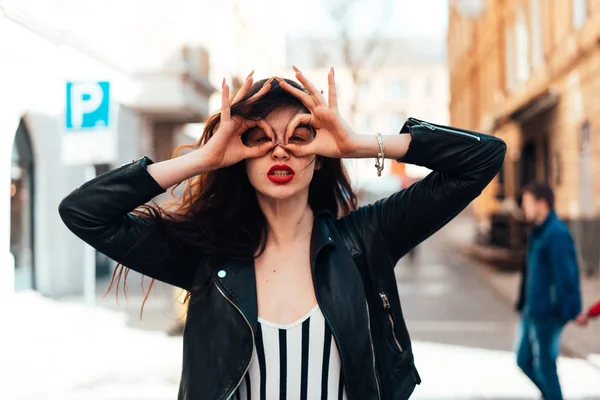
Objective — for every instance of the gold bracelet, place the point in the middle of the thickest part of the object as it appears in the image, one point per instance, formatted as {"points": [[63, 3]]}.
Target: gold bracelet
{"points": [[380, 160]]}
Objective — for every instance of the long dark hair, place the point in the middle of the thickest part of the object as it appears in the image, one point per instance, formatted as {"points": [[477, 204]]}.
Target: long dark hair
{"points": [[217, 213]]}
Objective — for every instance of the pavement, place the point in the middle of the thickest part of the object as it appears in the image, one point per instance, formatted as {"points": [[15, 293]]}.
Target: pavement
{"points": [[462, 329], [451, 304], [582, 342]]}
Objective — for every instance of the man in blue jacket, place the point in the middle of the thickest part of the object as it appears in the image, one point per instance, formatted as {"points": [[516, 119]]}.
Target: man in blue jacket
{"points": [[550, 293]]}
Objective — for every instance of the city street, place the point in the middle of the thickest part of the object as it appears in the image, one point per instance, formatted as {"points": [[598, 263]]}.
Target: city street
{"points": [[88, 90], [464, 333], [463, 337]]}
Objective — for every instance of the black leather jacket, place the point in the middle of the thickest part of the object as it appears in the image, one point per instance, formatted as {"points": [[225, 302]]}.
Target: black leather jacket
{"points": [[352, 261]]}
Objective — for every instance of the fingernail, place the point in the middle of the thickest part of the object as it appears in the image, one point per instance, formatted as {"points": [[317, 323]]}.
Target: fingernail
{"points": [[250, 74], [223, 84], [332, 71], [296, 69]]}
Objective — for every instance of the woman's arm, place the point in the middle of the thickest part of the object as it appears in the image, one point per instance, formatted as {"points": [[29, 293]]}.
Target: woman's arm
{"points": [[462, 165], [99, 212]]}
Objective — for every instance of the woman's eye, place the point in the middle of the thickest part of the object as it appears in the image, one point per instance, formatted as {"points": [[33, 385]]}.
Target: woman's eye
{"points": [[263, 139], [297, 138]]}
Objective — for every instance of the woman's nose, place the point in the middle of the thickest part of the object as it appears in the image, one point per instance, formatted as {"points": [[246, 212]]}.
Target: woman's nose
{"points": [[279, 153]]}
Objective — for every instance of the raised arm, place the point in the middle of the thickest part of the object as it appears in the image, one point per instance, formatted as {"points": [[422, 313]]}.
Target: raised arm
{"points": [[463, 163], [100, 211]]}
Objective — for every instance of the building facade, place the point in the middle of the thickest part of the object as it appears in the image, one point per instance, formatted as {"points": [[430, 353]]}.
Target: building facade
{"points": [[157, 84], [528, 71]]}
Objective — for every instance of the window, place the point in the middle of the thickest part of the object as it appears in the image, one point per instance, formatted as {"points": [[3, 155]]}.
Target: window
{"points": [[509, 57], [397, 89], [537, 40], [522, 48], [579, 11]]}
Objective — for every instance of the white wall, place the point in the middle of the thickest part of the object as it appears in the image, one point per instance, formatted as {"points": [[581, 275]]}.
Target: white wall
{"points": [[33, 72]]}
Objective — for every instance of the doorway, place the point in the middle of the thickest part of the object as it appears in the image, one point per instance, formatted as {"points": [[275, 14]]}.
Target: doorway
{"points": [[22, 209]]}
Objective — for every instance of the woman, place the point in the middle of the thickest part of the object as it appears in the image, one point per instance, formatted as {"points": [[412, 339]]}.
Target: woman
{"points": [[292, 289]]}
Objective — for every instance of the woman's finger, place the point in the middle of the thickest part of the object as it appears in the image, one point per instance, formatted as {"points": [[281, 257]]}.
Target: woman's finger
{"points": [[332, 92], [301, 150], [244, 89], [263, 90], [304, 97], [258, 151], [242, 124], [262, 124], [298, 119], [225, 111], [315, 94]]}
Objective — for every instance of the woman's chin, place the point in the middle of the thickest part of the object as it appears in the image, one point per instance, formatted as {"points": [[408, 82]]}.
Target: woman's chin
{"points": [[280, 192]]}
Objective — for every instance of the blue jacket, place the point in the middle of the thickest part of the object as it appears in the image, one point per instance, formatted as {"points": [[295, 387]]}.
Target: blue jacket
{"points": [[552, 288]]}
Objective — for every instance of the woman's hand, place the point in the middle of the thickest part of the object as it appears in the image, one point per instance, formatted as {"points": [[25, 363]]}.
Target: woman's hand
{"points": [[225, 147], [582, 319], [334, 138]]}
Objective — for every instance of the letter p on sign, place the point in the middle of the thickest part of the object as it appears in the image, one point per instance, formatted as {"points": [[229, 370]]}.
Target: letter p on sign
{"points": [[87, 105]]}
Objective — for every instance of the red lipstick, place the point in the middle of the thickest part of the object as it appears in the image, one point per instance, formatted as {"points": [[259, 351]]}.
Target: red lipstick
{"points": [[280, 174]]}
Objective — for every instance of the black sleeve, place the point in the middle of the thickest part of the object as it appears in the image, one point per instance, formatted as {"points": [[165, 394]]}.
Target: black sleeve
{"points": [[99, 213], [462, 164]]}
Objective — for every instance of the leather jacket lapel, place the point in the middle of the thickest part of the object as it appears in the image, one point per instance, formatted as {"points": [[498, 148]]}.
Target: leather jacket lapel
{"points": [[320, 237], [238, 280]]}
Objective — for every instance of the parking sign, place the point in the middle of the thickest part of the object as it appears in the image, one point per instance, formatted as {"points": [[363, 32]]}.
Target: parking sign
{"points": [[88, 105]]}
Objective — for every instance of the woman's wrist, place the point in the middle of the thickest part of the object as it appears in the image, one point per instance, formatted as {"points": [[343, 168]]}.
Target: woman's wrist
{"points": [[200, 161], [367, 146]]}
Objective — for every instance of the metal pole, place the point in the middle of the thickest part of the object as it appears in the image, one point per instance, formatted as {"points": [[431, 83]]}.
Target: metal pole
{"points": [[89, 257]]}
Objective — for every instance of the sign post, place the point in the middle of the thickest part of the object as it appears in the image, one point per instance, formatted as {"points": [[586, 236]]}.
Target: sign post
{"points": [[88, 139]]}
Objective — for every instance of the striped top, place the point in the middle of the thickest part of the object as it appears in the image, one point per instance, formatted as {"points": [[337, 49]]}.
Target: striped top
{"points": [[299, 361]]}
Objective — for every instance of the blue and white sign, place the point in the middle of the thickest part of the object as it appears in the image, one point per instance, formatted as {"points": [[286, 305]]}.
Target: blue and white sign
{"points": [[88, 105]]}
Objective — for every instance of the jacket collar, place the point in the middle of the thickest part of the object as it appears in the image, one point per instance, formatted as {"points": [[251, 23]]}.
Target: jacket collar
{"points": [[320, 236], [238, 278], [540, 228]]}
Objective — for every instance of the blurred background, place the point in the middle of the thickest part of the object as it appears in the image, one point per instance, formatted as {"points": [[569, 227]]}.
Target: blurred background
{"points": [[86, 86]]}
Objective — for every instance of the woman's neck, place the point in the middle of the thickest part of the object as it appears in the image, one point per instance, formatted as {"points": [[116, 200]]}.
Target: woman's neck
{"points": [[287, 220]]}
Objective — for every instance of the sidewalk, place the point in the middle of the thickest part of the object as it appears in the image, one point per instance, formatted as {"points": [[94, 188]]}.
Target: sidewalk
{"points": [[577, 341], [160, 312]]}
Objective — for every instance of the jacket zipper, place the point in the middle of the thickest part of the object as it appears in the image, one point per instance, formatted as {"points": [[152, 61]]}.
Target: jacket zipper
{"points": [[386, 306], [230, 394], [448, 130], [372, 351]]}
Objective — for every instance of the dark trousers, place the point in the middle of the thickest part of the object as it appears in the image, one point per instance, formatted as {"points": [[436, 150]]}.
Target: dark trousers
{"points": [[537, 351]]}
